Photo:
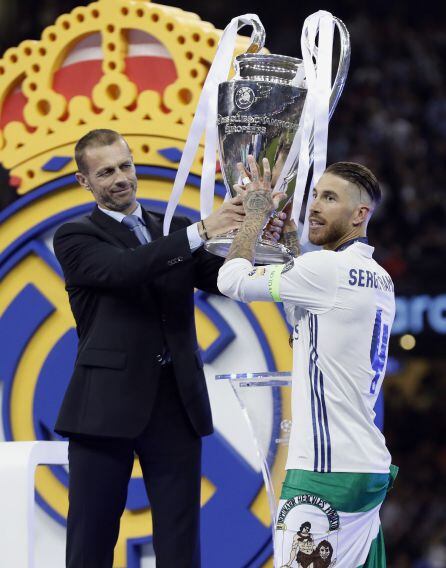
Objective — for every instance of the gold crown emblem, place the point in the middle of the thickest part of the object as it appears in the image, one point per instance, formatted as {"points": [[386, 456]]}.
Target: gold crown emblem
{"points": [[132, 66]]}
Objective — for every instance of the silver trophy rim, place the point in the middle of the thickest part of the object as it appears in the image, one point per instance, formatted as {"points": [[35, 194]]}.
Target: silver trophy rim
{"points": [[286, 58], [266, 251]]}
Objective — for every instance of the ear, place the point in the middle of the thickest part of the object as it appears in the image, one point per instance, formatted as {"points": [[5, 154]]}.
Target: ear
{"points": [[82, 180], [361, 215]]}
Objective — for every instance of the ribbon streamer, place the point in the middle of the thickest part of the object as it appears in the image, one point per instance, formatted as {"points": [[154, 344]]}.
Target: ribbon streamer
{"points": [[321, 91], [205, 120], [314, 122]]}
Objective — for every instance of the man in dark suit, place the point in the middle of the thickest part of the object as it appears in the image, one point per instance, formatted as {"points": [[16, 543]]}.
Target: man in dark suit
{"points": [[138, 384]]}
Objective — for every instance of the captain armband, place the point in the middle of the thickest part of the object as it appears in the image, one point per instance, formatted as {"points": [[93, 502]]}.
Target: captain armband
{"points": [[274, 282], [274, 279]]}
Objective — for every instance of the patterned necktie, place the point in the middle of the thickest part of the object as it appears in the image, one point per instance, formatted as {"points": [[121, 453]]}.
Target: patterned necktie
{"points": [[134, 223]]}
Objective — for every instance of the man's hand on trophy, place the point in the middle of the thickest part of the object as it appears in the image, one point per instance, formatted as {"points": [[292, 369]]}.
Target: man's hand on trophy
{"points": [[258, 199], [289, 225], [289, 236], [227, 217], [274, 228]]}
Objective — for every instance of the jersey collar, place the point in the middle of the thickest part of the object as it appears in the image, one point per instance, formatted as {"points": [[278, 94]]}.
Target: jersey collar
{"points": [[345, 245]]}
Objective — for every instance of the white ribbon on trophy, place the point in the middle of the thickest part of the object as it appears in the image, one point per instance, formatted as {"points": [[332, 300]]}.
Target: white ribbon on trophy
{"points": [[205, 120], [317, 64]]}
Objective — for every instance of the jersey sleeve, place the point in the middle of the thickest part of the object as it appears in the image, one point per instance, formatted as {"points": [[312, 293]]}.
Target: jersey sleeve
{"points": [[309, 281]]}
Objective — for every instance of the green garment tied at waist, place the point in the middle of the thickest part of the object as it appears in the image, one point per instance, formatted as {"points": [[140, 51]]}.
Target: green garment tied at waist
{"points": [[348, 492]]}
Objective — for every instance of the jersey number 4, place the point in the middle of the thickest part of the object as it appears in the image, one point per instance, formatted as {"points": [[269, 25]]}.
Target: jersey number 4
{"points": [[378, 349]]}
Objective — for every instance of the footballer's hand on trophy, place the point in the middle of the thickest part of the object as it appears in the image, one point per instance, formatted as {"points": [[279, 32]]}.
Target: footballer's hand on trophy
{"points": [[289, 224], [289, 236], [226, 218], [274, 228], [258, 196], [256, 190]]}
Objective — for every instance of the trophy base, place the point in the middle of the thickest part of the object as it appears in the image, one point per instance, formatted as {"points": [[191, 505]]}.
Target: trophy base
{"points": [[266, 252]]}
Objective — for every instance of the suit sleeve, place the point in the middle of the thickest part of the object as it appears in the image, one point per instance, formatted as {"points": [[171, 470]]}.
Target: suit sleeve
{"points": [[88, 260], [310, 281], [207, 266]]}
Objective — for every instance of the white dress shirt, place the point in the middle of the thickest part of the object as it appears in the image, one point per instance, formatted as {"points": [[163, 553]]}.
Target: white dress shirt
{"points": [[195, 241]]}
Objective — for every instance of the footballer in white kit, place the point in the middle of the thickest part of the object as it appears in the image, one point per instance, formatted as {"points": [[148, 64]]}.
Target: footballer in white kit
{"points": [[340, 304]]}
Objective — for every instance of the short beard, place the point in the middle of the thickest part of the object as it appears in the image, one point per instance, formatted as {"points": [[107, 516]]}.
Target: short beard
{"points": [[118, 206], [331, 235]]}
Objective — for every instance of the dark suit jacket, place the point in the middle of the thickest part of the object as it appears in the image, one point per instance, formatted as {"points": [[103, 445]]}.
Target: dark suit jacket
{"points": [[130, 302]]}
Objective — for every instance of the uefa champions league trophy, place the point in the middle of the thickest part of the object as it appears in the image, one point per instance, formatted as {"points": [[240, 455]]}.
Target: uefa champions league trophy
{"points": [[260, 112], [275, 107]]}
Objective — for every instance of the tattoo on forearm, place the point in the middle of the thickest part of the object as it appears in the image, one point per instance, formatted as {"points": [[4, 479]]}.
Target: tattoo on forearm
{"points": [[291, 241], [243, 245], [258, 205]]}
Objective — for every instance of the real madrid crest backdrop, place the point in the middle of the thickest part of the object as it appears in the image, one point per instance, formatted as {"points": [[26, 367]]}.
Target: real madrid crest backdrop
{"points": [[137, 68]]}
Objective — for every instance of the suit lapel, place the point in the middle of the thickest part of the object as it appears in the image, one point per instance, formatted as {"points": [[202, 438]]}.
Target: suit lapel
{"points": [[114, 228], [155, 228], [154, 224]]}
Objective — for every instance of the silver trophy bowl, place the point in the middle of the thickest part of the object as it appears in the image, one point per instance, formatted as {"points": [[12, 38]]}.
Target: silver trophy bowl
{"points": [[259, 113]]}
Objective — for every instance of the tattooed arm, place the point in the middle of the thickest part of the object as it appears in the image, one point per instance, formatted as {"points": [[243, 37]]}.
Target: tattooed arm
{"points": [[258, 204], [289, 236], [291, 241]]}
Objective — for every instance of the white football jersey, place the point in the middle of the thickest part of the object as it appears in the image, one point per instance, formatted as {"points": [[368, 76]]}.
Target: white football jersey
{"points": [[341, 306]]}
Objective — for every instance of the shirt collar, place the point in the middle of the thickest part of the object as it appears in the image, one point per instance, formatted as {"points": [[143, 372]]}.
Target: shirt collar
{"points": [[345, 245], [118, 216]]}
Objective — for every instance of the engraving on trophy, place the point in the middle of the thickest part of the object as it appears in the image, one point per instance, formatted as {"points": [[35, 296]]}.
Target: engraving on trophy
{"points": [[265, 129], [253, 124], [244, 97]]}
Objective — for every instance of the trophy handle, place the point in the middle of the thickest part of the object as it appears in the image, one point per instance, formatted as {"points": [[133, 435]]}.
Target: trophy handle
{"points": [[336, 91], [258, 34], [344, 63]]}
